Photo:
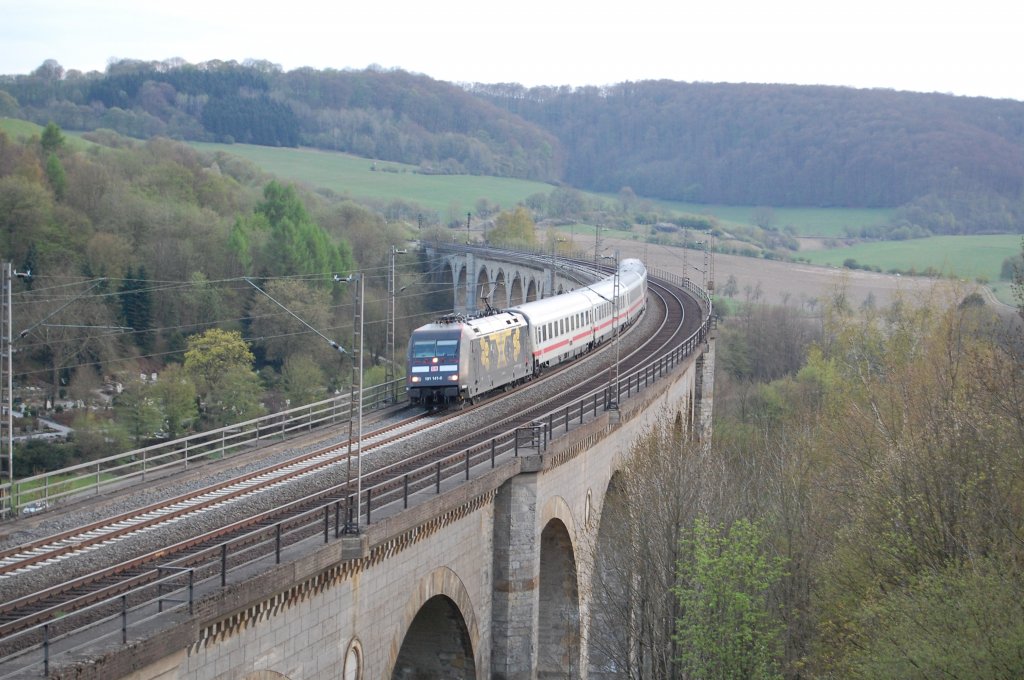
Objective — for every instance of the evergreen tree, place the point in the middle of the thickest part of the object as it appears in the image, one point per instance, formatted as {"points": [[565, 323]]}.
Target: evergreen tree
{"points": [[297, 244], [56, 176], [52, 140]]}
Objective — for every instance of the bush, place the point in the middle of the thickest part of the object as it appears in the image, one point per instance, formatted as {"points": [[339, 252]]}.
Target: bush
{"points": [[37, 456]]}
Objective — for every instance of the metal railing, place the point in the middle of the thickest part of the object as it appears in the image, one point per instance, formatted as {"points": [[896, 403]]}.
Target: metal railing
{"points": [[92, 477]]}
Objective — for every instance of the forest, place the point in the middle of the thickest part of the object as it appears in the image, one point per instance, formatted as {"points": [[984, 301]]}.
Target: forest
{"points": [[143, 258], [952, 165], [857, 512]]}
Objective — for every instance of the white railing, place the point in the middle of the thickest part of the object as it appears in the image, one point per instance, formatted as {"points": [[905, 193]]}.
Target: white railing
{"points": [[40, 491]]}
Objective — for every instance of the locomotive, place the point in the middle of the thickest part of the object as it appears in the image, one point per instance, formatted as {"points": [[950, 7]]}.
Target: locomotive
{"points": [[457, 358]]}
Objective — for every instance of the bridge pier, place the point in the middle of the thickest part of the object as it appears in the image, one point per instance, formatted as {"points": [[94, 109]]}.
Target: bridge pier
{"points": [[516, 579]]}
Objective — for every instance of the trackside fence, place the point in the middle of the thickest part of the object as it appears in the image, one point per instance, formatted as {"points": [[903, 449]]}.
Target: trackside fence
{"points": [[91, 478]]}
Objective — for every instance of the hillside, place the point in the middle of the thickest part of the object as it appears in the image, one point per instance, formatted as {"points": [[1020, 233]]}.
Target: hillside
{"points": [[950, 164]]}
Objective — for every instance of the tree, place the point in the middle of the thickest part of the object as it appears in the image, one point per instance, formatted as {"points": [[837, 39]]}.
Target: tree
{"points": [[37, 456], [565, 202], [212, 354], [175, 395], [137, 306], [234, 398], [52, 139], [8, 105], [96, 437], [296, 244], [1018, 284], [635, 550], [962, 621], [514, 228], [764, 217], [302, 380], [278, 333], [201, 303], [926, 440], [56, 175], [137, 412], [26, 210], [726, 629]]}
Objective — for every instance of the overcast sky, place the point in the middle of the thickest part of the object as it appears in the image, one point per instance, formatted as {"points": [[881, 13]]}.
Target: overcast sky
{"points": [[971, 48]]}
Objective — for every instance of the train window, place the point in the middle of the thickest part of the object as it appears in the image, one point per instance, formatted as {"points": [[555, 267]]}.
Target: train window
{"points": [[423, 349], [447, 348]]}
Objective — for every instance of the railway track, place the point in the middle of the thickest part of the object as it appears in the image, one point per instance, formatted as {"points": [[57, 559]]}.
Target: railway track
{"points": [[389, 483], [51, 549]]}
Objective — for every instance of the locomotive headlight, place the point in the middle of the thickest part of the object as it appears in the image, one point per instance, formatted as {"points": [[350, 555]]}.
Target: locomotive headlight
{"points": [[414, 379], [454, 377]]}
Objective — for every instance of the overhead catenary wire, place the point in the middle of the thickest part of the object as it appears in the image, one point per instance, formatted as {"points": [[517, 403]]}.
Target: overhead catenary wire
{"points": [[172, 286]]}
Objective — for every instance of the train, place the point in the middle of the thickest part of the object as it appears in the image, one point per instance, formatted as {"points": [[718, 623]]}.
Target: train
{"points": [[458, 358]]}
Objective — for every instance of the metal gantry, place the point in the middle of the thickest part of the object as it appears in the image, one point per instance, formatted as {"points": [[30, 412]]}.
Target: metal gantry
{"points": [[389, 365], [355, 398], [7, 378]]}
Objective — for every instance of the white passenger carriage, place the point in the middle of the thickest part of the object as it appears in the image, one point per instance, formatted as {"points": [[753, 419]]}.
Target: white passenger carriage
{"points": [[568, 325]]}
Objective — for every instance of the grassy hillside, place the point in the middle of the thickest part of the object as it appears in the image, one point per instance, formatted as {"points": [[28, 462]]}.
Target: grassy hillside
{"points": [[821, 222], [362, 178], [354, 176], [23, 129], [967, 257]]}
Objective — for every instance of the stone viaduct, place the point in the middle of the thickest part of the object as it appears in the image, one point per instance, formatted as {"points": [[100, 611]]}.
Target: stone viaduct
{"points": [[489, 579], [476, 274]]}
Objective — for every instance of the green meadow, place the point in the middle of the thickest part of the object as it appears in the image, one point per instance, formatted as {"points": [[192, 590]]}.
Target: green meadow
{"points": [[450, 195], [384, 180], [813, 222], [24, 130], [966, 257]]}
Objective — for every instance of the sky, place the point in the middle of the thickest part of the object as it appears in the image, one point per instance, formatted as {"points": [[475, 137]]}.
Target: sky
{"points": [[964, 48]]}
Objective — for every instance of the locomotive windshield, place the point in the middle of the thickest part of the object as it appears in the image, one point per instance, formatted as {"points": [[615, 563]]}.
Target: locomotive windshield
{"points": [[426, 349]]}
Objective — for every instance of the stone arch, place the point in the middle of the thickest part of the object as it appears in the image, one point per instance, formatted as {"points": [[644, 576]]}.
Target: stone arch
{"points": [[516, 295], [352, 663], [608, 641], [558, 612], [461, 290], [438, 636], [483, 286], [499, 297], [531, 290], [453, 278]]}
